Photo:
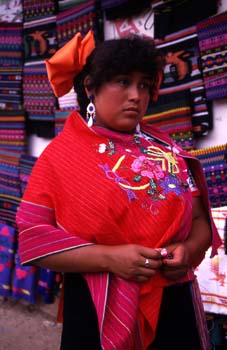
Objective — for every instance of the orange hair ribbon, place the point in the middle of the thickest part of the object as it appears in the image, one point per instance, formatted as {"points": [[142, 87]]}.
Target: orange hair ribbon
{"points": [[68, 61]]}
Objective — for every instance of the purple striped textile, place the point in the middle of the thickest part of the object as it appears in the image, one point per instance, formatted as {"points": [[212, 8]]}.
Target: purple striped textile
{"points": [[39, 100], [172, 113], [11, 40], [34, 10], [213, 160], [212, 35], [81, 18]]}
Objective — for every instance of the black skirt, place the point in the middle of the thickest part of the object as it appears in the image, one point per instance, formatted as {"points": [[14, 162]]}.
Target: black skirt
{"points": [[176, 328]]}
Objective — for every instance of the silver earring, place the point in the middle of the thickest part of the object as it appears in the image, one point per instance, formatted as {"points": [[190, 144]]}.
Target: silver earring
{"points": [[90, 117]]}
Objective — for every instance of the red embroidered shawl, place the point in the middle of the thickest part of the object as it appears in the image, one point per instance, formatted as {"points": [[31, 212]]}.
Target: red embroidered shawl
{"points": [[87, 189]]}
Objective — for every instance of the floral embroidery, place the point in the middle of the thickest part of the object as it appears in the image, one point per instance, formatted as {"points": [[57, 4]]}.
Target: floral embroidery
{"points": [[155, 171], [102, 148], [171, 184], [147, 168]]}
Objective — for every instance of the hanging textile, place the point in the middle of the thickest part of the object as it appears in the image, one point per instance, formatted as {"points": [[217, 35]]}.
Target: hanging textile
{"points": [[11, 59], [26, 164], [172, 113], [68, 4], [7, 248], [212, 35], [39, 100], [29, 281], [214, 162], [80, 18], [24, 281], [48, 284], [40, 39], [33, 9], [173, 16], [13, 131], [60, 119], [182, 56], [11, 88], [10, 193], [11, 53]]}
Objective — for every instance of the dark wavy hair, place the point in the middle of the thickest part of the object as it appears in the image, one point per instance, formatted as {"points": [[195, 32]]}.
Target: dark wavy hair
{"points": [[116, 57]]}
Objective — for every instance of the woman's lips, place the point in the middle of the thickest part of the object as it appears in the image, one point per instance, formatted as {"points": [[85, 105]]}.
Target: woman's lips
{"points": [[131, 110]]}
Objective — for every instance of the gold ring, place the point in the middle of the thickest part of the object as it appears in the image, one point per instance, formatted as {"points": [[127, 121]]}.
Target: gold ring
{"points": [[147, 263]]}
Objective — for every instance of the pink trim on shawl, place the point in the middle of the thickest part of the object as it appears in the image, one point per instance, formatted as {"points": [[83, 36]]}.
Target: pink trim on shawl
{"points": [[38, 236]]}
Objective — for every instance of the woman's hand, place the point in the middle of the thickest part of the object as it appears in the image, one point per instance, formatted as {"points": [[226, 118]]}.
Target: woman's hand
{"points": [[191, 252], [177, 262], [128, 261]]}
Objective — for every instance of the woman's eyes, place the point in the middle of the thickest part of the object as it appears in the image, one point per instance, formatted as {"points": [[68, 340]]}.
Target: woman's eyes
{"points": [[144, 85], [124, 82]]}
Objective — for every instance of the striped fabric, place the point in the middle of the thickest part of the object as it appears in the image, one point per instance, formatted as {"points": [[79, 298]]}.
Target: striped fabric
{"points": [[172, 114], [182, 55], [11, 96], [80, 18], [10, 193], [34, 10], [212, 35], [8, 207], [214, 162], [26, 164], [13, 135], [68, 4], [60, 119], [11, 59], [77, 225], [68, 102], [11, 50], [39, 100]]}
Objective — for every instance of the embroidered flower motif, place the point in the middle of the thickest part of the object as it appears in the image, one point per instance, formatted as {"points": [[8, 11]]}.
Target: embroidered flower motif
{"points": [[171, 184], [147, 167], [102, 148]]}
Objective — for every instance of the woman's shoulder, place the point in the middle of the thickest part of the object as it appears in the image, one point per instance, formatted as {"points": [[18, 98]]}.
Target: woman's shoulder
{"points": [[62, 140]]}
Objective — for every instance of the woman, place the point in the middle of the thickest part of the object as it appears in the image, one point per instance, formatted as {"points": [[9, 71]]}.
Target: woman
{"points": [[113, 206]]}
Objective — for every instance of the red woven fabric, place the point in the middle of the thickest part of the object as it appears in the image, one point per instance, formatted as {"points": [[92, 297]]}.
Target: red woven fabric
{"points": [[95, 200]]}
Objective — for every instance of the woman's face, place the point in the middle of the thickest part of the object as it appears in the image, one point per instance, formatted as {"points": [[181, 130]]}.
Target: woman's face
{"points": [[121, 103]]}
